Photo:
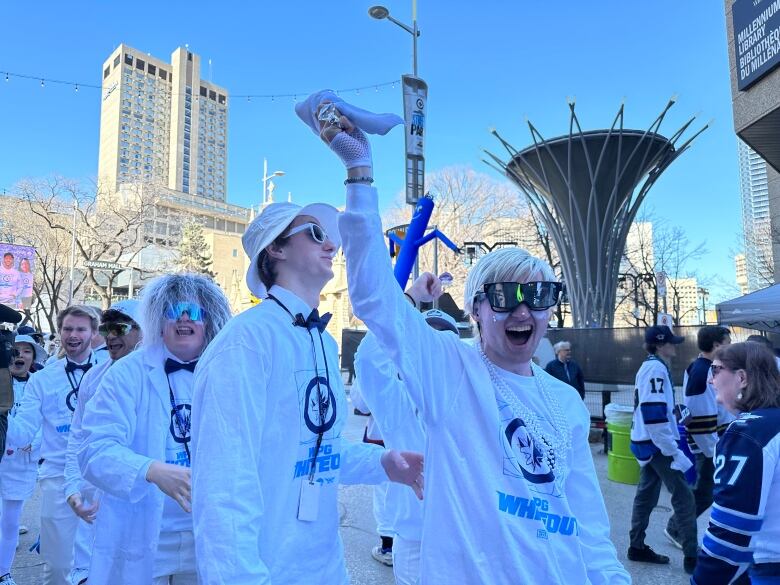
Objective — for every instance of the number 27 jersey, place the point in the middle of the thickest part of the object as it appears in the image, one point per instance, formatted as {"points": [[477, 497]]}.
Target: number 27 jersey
{"points": [[745, 520]]}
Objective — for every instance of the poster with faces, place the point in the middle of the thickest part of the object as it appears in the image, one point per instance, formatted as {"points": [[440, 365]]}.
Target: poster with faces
{"points": [[17, 271]]}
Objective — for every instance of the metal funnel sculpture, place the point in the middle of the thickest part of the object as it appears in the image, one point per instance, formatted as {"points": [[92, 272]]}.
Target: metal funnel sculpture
{"points": [[587, 187]]}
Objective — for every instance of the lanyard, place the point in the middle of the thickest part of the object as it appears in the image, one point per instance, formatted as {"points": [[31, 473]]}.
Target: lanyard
{"points": [[74, 386], [321, 412], [182, 423]]}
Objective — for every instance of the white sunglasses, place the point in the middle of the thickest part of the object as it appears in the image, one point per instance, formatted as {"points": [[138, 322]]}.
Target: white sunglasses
{"points": [[315, 231]]}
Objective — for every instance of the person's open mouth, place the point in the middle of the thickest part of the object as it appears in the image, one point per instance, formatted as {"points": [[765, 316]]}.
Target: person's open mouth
{"points": [[185, 330], [519, 334]]}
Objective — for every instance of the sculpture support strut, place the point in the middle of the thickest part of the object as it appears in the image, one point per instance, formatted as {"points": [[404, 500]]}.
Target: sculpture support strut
{"points": [[588, 187]]}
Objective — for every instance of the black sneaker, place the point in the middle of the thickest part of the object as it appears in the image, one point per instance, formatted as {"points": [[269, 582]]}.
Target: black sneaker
{"points": [[647, 555], [689, 564]]}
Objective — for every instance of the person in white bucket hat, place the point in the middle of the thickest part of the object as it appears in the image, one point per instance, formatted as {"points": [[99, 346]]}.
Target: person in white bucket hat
{"points": [[19, 465], [268, 412]]}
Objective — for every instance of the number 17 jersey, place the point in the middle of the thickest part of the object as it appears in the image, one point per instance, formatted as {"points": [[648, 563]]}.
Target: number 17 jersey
{"points": [[654, 426]]}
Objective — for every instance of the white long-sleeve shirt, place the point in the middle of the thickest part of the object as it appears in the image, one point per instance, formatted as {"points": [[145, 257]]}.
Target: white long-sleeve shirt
{"points": [[485, 519], [17, 463], [385, 395], [49, 402], [255, 412]]}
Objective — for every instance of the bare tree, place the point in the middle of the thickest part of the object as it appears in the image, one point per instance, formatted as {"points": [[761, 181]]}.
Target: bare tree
{"points": [[659, 248], [105, 226]]}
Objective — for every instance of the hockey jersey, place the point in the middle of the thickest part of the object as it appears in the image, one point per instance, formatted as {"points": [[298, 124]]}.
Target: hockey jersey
{"points": [[708, 418], [745, 521], [654, 426]]}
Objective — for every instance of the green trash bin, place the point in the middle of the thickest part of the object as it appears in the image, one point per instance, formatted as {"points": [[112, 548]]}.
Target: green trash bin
{"points": [[622, 466]]}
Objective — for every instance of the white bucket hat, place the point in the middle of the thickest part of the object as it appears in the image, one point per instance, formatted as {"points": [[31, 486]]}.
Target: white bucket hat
{"points": [[271, 223], [40, 353], [442, 319]]}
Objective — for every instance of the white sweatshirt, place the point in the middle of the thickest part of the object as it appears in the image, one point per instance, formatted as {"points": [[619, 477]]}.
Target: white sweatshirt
{"points": [[485, 519], [255, 410], [49, 401], [385, 395]]}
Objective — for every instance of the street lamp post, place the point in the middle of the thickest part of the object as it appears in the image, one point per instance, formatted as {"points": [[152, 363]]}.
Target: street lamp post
{"points": [[266, 178], [381, 12], [474, 250], [73, 250], [704, 294], [415, 95]]}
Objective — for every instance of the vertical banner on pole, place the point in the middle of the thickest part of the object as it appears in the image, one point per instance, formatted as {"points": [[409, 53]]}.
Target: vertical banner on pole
{"points": [[415, 92]]}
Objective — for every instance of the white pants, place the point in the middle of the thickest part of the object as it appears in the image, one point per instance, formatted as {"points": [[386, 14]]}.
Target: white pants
{"points": [[381, 514], [406, 561], [175, 560], [58, 531]]}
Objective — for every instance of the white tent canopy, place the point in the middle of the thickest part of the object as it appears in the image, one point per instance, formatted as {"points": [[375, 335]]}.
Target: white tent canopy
{"points": [[758, 310]]}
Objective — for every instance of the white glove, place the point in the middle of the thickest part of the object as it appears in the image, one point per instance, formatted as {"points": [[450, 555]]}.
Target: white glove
{"points": [[352, 147], [680, 462]]}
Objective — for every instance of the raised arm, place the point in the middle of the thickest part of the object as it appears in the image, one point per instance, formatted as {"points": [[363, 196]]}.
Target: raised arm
{"points": [[428, 362]]}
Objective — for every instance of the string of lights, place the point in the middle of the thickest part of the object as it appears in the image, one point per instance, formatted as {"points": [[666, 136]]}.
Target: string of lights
{"points": [[247, 96]]}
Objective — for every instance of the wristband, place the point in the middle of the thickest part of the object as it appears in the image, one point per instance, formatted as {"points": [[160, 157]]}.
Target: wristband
{"points": [[353, 180], [411, 299]]}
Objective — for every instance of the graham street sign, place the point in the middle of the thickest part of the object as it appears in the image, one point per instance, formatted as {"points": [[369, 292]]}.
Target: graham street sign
{"points": [[103, 265]]}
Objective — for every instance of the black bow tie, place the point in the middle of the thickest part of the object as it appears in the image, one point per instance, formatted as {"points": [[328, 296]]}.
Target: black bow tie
{"points": [[314, 321], [172, 366], [71, 367]]}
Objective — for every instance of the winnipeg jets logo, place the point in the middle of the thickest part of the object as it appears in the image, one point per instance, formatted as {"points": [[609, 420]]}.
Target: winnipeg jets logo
{"points": [[528, 457], [319, 412], [180, 423], [72, 399]]}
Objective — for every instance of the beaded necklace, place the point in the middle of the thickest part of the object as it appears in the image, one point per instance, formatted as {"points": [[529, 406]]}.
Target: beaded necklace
{"points": [[558, 442]]}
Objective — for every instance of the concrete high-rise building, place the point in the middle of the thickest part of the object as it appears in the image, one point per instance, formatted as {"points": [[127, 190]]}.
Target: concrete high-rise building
{"points": [[740, 268], [756, 220], [684, 300], [161, 123]]}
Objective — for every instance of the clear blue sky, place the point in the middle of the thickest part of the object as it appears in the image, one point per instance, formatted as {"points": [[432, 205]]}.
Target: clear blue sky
{"points": [[488, 64]]}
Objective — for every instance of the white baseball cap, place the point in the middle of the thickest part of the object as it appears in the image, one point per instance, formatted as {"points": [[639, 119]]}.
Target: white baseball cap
{"points": [[40, 353], [271, 223], [442, 319], [129, 308]]}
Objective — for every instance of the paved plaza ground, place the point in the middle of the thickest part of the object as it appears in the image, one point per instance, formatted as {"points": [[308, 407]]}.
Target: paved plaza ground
{"points": [[358, 530]]}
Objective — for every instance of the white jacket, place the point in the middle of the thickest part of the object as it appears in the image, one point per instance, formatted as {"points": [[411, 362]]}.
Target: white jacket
{"points": [[485, 519], [253, 438], [125, 428]]}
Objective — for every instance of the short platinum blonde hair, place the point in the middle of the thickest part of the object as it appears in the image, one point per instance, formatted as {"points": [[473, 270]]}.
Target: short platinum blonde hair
{"points": [[167, 290], [561, 345], [504, 265]]}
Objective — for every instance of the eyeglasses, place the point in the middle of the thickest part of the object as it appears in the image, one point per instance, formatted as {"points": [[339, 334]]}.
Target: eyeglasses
{"points": [[716, 369], [505, 297], [194, 311], [116, 329], [315, 231]]}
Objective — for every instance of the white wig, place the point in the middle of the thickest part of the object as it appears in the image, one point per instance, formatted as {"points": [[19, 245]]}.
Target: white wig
{"points": [[504, 265], [170, 289], [561, 345]]}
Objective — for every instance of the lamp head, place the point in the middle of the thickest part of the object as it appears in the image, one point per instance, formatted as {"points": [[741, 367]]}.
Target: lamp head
{"points": [[378, 12]]}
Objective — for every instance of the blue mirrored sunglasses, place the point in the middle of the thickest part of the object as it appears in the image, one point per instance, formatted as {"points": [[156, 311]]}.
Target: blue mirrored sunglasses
{"points": [[194, 311]]}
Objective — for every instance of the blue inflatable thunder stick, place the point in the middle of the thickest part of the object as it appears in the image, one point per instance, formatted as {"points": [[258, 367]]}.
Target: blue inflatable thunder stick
{"points": [[415, 238]]}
